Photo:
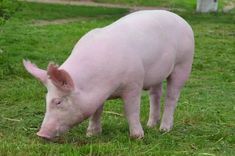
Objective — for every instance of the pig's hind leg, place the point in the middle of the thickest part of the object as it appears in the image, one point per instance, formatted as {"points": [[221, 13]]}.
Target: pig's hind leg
{"points": [[94, 127], [175, 82], [155, 94]]}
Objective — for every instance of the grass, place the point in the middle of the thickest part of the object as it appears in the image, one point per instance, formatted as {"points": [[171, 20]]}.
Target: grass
{"points": [[7, 8], [204, 119], [187, 5]]}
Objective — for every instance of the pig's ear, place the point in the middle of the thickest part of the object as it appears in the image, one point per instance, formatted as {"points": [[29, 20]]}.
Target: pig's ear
{"points": [[35, 71], [60, 78]]}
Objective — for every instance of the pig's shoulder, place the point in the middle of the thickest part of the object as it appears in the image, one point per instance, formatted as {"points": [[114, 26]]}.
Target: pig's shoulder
{"points": [[92, 35], [94, 32]]}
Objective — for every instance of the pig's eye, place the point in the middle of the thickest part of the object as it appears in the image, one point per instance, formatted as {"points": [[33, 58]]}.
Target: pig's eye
{"points": [[57, 101]]}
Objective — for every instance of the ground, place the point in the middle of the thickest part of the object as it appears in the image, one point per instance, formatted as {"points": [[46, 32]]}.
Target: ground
{"points": [[204, 119]]}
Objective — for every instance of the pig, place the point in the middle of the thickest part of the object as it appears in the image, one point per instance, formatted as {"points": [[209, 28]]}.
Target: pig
{"points": [[135, 53]]}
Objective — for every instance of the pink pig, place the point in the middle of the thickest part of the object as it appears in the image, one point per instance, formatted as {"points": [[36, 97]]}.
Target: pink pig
{"points": [[134, 53]]}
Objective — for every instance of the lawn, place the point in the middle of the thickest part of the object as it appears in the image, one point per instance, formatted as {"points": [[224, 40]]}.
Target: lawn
{"points": [[173, 4], [185, 4], [205, 116]]}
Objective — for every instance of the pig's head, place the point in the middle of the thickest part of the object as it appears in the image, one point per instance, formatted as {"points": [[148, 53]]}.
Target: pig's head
{"points": [[62, 108]]}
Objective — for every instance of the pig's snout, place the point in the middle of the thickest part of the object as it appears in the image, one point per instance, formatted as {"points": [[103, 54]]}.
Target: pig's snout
{"points": [[44, 134], [50, 134]]}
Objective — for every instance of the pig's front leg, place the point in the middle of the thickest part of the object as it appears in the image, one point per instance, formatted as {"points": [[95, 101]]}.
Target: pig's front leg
{"points": [[132, 111], [155, 94], [94, 127]]}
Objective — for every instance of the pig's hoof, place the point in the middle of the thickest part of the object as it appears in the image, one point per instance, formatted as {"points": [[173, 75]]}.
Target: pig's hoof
{"points": [[165, 127], [93, 132], [137, 135], [152, 123]]}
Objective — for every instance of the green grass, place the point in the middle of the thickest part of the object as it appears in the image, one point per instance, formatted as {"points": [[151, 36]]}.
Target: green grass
{"points": [[47, 12], [204, 119], [7, 8], [186, 5]]}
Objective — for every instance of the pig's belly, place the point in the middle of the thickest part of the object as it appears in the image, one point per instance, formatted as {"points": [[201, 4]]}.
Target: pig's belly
{"points": [[158, 71], [153, 76], [155, 72]]}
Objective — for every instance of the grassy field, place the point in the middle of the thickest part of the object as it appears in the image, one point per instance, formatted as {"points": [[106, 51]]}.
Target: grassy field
{"points": [[185, 4], [173, 4], [204, 119]]}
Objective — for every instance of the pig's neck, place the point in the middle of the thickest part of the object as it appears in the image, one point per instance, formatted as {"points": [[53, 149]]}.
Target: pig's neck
{"points": [[93, 87]]}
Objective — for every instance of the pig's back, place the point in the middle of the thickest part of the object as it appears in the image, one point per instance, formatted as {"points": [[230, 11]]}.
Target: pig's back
{"points": [[152, 34], [151, 25], [148, 34]]}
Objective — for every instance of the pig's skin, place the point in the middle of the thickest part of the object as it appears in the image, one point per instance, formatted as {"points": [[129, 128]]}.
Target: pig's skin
{"points": [[134, 53]]}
